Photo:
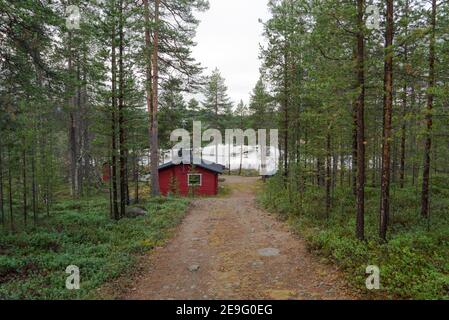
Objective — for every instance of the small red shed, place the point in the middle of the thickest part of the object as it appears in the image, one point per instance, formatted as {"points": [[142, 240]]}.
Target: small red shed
{"points": [[106, 174], [187, 179]]}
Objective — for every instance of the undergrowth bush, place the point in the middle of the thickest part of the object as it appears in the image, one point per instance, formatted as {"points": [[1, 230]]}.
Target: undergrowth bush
{"points": [[414, 262], [33, 263]]}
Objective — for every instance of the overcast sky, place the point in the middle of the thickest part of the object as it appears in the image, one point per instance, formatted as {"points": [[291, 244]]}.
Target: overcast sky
{"points": [[228, 38]]}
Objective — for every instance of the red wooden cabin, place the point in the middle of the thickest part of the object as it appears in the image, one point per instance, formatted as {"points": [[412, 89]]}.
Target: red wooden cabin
{"points": [[106, 172], [186, 179]]}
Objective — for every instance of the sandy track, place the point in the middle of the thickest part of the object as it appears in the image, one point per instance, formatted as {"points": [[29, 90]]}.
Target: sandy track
{"points": [[215, 254]]}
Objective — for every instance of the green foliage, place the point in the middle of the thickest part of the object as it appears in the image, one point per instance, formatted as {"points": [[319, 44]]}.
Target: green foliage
{"points": [[261, 107], [217, 104], [414, 263], [32, 265], [244, 173]]}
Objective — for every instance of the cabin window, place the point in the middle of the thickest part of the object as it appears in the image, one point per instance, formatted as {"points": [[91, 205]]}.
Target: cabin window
{"points": [[194, 180]]}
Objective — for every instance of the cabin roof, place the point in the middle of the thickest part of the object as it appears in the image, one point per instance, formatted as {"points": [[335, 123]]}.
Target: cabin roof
{"points": [[214, 167]]}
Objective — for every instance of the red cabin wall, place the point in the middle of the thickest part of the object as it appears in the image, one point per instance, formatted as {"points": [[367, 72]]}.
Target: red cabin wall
{"points": [[106, 172], [209, 185]]}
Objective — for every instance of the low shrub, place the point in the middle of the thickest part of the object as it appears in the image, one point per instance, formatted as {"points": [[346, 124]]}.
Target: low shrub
{"points": [[414, 263], [33, 263]]}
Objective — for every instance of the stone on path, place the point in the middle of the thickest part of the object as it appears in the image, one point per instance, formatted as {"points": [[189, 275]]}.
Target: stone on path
{"points": [[268, 252], [257, 263], [194, 267]]}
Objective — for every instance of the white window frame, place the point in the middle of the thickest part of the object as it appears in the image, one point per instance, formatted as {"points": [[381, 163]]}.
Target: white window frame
{"points": [[194, 174]]}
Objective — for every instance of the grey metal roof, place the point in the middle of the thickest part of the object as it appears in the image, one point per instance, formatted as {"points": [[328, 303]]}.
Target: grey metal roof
{"points": [[218, 168]]}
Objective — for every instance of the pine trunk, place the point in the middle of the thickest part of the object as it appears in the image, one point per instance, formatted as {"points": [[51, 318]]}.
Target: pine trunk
{"points": [[115, 209], [121, 121], [404, 105], [353, 172], [430, 98], [360, 118], [342, 164], [2, 212], [403, 138], [387, 113], [11, 213], [328, 174], [34, 187], [72, 129], [24, 186], [148, 76], [136, 179], [154, 121]]}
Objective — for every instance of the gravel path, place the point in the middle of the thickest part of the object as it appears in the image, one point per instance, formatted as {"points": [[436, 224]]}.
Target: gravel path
{"points": [[227, 248]]}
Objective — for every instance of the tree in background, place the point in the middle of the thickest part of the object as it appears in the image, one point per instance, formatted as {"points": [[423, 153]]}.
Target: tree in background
{"points": [[261, 107], [241, 115], [216, 104], [216, 101]]}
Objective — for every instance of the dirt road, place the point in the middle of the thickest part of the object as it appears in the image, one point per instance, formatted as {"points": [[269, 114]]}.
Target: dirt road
{"points": [[227, 248]]}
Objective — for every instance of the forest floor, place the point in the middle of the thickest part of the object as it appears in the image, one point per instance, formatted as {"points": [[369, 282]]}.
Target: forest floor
{"points": [[228, 248]]}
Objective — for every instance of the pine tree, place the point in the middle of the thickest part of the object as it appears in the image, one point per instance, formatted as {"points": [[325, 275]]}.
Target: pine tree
{"points": [[261, 107], [388, 106], [217, 102]]}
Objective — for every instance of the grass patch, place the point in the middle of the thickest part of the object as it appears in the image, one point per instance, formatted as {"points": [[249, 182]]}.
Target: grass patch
{"points": [[243, 173], [33, 263]]}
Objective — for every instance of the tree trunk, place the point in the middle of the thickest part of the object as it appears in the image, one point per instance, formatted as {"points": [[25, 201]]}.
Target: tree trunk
{"points": [[121, 121], [78, 136], [127, 198], [374, 157], [2, 212], [342, 164], [154, 123], [229, 154], [353, 172], [72, 129], [111, 197], [328, 174], [404, 105], [136, 178], [414, 140], [430, 97], [334, 170], [25, 195], [403, 138], [33, 186], [113, 127], [84, 161], [241, 159], [387, 112], [320, 172], [48, 178], [148, 75], [11, 213], [360, 106], [286, 112]]}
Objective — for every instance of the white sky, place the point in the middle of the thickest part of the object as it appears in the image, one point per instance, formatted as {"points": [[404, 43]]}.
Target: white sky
{"points": [[228, 38]]}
